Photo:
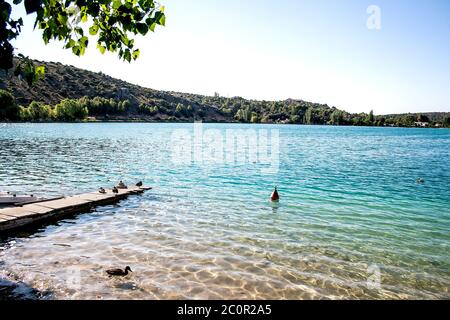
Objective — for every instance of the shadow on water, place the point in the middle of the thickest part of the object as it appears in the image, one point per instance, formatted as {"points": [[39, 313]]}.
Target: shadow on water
{"points": [[40, 226], [275, 207], [18, 290], [12, 288]]}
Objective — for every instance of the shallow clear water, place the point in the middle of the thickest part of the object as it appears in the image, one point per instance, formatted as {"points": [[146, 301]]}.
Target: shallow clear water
{"points": [[352, 221]]}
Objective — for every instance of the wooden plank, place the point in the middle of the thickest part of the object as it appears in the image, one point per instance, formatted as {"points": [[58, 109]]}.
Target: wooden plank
{"points": [[63, 203], [16, 217], [18, 212], [95, 196], [6, 218], [21, 204], [121, 191], [37, 208]]}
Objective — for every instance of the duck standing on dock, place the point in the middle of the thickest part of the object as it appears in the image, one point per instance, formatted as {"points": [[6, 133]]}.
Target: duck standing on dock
{"points": [[121, 185], [101, 190], [119, 272], [275, 196], [115, 190]]}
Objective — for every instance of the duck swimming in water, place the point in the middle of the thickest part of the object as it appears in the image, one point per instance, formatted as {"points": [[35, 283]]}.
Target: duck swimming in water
{"points": [[115, 190], [101, 190], [275, 196], [139, 184], [420, 180], [119, 272]]}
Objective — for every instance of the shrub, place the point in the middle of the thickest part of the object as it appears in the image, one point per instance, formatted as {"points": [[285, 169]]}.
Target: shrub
{"points": [[24, 114], [447, 122], [254, 118], [35, 112], [8, 107], [38, 111], [70, 110], [148, 110]]}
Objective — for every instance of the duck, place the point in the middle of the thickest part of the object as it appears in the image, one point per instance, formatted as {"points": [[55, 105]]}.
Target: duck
{"points": [[119, 272], [121, 185], [101, 190], [275, 196], [115, 190], [420, 180], [139, 184]]}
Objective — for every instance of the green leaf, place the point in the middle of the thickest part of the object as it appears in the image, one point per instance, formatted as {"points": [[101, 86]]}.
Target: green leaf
{"points": [[127, 55], [79, 31], [93, 30], [94, 9], [84, 17], [40, 71], [32, 6], [116, 4], [62, 19], [76, 50], [136, 54], [70, 44], [142, 28], [101, 48], [46, 35], [83, 42], [162, 20]]}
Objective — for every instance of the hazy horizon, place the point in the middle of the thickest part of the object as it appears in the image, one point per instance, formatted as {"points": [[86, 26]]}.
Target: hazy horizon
{"points": [[318, 51]]}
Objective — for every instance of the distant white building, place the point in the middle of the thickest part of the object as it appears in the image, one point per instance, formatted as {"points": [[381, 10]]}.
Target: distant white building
{"points": [[421, 124]]}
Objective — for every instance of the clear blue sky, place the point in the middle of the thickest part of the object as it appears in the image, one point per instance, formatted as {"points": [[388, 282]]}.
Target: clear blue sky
{"points": [[316, 50]]}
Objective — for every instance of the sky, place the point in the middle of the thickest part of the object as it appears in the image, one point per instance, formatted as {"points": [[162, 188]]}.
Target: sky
{"points": [[392, 60]]}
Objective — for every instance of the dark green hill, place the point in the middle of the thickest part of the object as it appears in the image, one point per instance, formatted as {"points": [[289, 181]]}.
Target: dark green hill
{"points": [[68, 82]]}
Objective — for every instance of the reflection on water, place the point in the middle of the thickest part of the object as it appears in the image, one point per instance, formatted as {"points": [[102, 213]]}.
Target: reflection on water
{"points": [[348, 201]]}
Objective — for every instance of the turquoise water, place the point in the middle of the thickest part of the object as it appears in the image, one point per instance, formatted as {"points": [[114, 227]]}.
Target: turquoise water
{"points": [[352, 221]]}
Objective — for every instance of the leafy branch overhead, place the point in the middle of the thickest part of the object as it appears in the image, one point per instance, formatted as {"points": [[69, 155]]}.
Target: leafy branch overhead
{"points": [[27, 70], [112, 21]]}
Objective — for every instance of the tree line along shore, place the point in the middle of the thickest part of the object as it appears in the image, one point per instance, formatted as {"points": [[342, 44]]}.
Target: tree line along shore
{"points": [[103, 109], [67, 93]]}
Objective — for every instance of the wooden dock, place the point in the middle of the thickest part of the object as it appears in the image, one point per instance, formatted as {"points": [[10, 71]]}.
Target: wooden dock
{"points": [[28, 214]]}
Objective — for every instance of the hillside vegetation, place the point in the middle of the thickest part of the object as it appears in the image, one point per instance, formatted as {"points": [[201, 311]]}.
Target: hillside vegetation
{"points": [[67, 93]]}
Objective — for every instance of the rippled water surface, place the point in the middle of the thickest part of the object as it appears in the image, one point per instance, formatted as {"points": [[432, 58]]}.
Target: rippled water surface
{"points": [[352, 221]]}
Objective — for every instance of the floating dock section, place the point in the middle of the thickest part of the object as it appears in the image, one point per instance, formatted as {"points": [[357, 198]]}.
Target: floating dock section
{"points": [[28, 214]]}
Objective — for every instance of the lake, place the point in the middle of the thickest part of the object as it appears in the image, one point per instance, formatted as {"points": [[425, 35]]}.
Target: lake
{"points": [[352, 222]]}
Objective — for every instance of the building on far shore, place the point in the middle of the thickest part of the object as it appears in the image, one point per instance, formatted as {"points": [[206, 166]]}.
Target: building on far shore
{"points": [[421, 124]]}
